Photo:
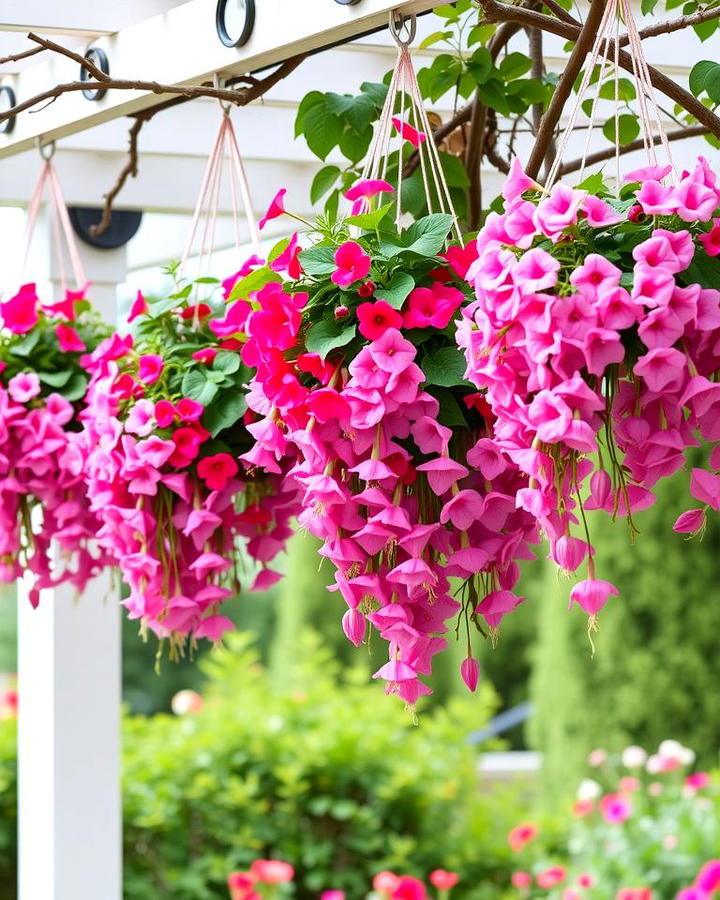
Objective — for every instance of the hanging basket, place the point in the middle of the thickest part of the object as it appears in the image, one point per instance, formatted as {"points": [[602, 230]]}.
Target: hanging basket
{"points": [[46, 531]]}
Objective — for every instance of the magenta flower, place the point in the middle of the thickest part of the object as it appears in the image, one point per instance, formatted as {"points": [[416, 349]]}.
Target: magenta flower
{"points": [[432, 307], [189, 410], [139, 307], [275, 210], [370, 187], [213, 628], [598, 213], [496, 605], [217, 470], [559, 210], [24, 387], [408, 133], [648, 173], [595, 277], [354, 625], [470, 672], [68, 339], [206, 355], [615, 808], [690, 522], [552, 877], [711, 239], [150, 368], [352, 264], [656, 199], [592, 594], [694, 202], [19, 313], [705, 487], [517, 182]]}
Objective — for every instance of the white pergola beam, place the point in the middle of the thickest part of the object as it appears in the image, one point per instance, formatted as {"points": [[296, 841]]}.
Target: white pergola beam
{"points": [[181, 46], [80, 16]]}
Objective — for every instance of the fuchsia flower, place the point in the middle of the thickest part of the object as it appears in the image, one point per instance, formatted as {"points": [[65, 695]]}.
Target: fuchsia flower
{"points": [[376, 318], [443, 880], [289, 260], [552, 877], [24, 387], [368, 188], [352, 264], [150, 368], [275, 210], [431, 307], [615, 808], [272, 871], [521, 879], [409, 888], [188, 410], [68, 339], [408, 133], [592, 594], [206, 355], [187, 441], [19, 313], [558, 210], [217, 470], [517, 182], [711, 239], [139, 307], [470, 672]]}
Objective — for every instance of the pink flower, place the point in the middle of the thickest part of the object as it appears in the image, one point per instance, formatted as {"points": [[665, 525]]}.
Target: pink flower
{"points": [[140, 420], [443, 880], [332, 895], [517, 182], [275, 210], [368, 188], [598, 213], [19, 313], [697, 781], [68, 339], [461, 258], [206, 355], [648, 173], [139, 307], [595, 277], [24, 387], [559, 210], [213, 628], [354, 625], [385, 882], [705, 487], [376, 318], [552, 877], [289, 259], [217, 470], [409, 888], [66, 307], [496, 605], [189, 410], [391, 352], [536, 270], [615, 808], [432, 307], [521, 879], [592, 594], [352, 264], [150, 368], [272, 871], [470, 672], [662, 369], [708, 878], [187, 441], [585, 881], [408, 133], [165, 413], [711, 240], [694, 202], [656, 199]]}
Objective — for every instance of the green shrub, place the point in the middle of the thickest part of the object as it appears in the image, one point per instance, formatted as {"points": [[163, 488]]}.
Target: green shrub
{"points": [[322, 769]]}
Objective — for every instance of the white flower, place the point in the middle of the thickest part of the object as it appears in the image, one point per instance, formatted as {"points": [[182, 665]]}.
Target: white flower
{"points": [[588, 790], [634, 757], [597, 758], [671, 749], [655, 764]]}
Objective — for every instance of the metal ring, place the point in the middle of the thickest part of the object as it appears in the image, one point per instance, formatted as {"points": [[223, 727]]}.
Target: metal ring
{"points": [[398, 22], [225, 105], [7, 125], [47, 151], [221, 25], [99, 58]]}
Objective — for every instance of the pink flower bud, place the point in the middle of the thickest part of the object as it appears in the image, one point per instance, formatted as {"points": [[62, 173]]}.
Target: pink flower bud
{"points": [[521, 879], [341, 312], [569, 552], [592, 594], [635, 213], [690, 522], [443, 880], [600, 486], [353, 623], [470, 671]]}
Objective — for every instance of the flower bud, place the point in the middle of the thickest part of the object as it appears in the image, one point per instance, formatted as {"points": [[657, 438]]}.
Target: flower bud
{"points": [[354, 624], [341, 312], [470, 671]]}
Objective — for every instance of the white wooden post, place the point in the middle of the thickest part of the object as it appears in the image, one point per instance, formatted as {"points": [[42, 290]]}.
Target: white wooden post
{"points": [[69, 804]]}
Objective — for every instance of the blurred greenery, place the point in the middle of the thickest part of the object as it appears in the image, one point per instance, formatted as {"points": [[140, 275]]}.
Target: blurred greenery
{"points": [[656, 665], [321, 769]]}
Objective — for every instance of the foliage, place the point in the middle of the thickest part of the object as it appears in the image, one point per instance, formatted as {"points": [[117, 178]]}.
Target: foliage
{"points": [[8, 809], [639, 822], [655, 649]]}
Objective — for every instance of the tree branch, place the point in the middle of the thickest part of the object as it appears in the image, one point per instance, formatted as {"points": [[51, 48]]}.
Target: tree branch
{"points": [[671, 25], [585, 37], [609, 152], [86, 64], [18, 56], [129, 169]]}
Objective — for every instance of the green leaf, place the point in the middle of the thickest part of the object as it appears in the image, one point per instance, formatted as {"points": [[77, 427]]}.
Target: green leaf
{"points": [[455, 172], [75, 387], [376, 92], [445, 367], [318, 260], [197, 386], [647, 6], [450, 413], [427, 236], [278, 250], [371, 220], [703, 270], [252, 283], [314, 98], [227, 362], [326, 336], [698, 73], [712, 84], [397, 291], [26, 345], [628, 128], [434, 38], [56, 379], [224, 412], [515, 65], [480, 34], [594, 184], [322, 130], [480, 65], [354, 145], [323, 181], [206, 279], [160, 307], [705, 30], [625, 87], [492, 94]]}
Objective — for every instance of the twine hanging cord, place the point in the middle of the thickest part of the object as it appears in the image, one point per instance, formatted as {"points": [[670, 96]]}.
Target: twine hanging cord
{"points": [[63, 238]]}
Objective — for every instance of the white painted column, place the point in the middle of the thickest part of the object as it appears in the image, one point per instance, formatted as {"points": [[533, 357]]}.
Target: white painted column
{"points": [[69, 802]]}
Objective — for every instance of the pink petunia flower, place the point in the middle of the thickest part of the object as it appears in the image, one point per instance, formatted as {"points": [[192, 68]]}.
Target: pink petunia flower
{"points": [[19, 313], [68, 339], [615, 808], [139, 307], [217, 470], [150, 368], [24, 387], [408, 133], [376, 318], [352, 264], [275, 210]]}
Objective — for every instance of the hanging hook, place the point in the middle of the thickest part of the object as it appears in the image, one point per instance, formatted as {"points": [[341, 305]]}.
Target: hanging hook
{"points": [[47, 151], [225, 105], [398, 22]]}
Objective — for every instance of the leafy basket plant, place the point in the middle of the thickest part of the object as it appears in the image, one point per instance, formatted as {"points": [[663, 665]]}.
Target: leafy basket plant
{"points": [[46, 528], [166, 423]]}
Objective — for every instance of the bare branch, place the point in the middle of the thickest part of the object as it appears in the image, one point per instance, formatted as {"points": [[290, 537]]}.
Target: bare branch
{"points": [[129, 169], [585, 37], [609, 152], [23, 55], [76, 57], [670, 25]]}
